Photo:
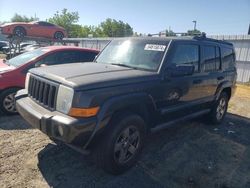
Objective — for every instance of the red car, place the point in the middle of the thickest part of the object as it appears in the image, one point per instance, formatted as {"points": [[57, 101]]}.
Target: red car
{"points": [[13, 71], [34, 29]]}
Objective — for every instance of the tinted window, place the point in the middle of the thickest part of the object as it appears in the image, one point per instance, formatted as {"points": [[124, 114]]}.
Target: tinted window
{"points": [[186, 54], [51, 59], [45, 24], [68, 57], [228, 58], [217, 59], [209, 57], [87, 56], [59, 58]]}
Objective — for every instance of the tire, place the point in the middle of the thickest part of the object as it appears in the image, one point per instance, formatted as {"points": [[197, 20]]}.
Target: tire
{"points": [[19, 31], [121, 144], [58, 35], [219, 109], [7, 100]]}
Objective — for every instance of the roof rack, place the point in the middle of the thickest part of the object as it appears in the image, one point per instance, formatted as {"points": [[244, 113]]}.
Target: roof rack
{"points": [[203, 37], [196, 36]]}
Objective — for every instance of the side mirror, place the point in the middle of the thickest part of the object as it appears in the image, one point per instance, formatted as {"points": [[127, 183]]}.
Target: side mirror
{"points": [[180, 70]]}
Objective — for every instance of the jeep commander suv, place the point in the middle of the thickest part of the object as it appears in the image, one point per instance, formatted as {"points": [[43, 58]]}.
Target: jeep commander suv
{"points": [[135, 86]]}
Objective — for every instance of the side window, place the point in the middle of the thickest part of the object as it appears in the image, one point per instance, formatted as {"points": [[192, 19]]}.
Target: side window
{"points": [[217, 59], [45, 24], [228, 57], [50, 59], [186, 54], [68, 57], [209, 59], [87, 56]]}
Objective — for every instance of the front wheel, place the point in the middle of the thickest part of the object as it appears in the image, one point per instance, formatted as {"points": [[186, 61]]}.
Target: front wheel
{"points": [[219, 109], [7, 100], [58, 35], [122, 143], [19, 31]]}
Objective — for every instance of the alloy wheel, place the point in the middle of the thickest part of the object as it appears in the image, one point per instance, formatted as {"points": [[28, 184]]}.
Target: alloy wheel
{"points": [[9, 103], [126, 144], [221, 108]]}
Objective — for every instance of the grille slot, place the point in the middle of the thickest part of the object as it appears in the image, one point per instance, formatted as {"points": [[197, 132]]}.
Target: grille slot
{"points": [[43, 92]]}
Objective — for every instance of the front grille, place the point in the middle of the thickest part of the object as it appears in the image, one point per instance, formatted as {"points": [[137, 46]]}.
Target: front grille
{"points": [[43, 92]]}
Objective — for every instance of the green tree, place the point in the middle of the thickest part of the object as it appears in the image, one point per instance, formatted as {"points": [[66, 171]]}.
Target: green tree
{"points": [[66, 20], [170, 33], [194, 32], [20, 18], [113, 28]]}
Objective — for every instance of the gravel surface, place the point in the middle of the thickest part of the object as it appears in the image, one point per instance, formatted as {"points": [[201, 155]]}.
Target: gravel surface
{"points": [[193, 154]]}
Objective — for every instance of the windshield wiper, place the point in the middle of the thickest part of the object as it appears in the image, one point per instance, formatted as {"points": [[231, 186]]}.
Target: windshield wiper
{"points": [[123, 65]]}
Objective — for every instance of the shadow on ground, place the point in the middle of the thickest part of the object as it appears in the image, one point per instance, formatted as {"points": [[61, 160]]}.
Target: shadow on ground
{"points": [[14, 122], [194, 154]]}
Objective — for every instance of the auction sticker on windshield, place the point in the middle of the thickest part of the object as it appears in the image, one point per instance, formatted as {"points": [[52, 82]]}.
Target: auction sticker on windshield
{"points": [[155, 47]]}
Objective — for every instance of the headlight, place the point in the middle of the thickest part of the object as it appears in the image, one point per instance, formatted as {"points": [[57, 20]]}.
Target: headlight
{"points": [[27, 81], [64, 99]]}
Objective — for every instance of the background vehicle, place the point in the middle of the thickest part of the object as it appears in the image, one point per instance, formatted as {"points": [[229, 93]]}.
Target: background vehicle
{"points": [[34, 29], [13, 71], [3, 44], [137, 85], [6, 49], [23, 49]]}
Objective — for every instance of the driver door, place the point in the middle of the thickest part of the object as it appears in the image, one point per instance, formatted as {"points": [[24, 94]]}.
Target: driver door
{"points": [[181, 91]]}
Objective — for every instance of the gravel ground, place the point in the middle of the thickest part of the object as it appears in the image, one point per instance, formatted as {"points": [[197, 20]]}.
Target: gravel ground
{"points": [[194, 154]]}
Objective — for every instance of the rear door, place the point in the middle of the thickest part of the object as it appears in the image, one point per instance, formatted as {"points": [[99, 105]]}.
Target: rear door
{"points": [[210, 69]]}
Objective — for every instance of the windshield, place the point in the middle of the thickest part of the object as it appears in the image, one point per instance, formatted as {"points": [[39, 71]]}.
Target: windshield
{"points": [[26, 57], [134, 53]]}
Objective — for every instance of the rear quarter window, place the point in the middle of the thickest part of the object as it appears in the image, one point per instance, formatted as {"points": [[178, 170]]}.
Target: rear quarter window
{"points": [[228, 58]]}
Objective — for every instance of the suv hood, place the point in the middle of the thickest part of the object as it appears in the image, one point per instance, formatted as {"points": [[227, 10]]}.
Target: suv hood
{"points": [[85, 76]]}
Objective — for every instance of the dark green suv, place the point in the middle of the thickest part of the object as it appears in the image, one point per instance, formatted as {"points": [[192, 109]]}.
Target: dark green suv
{"points": [[135, 86]]}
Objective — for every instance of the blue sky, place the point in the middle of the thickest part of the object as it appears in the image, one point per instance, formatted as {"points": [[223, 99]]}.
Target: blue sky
{"points": [[145, 16]]}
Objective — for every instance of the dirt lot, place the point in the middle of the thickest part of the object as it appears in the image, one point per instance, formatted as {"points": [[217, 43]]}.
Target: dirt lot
{"points": [[194, 154], [2, 56]]}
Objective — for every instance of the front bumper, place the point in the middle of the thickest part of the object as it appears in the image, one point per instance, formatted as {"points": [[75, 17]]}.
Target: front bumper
{"points": [[55, 124]]}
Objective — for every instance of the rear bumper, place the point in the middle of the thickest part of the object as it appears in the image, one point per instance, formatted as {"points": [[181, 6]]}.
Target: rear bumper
{"points": [[55, 124]]}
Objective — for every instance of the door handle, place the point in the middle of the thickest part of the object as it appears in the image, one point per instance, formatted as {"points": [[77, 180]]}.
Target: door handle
{"points": [[220, 78], [197, 81]]}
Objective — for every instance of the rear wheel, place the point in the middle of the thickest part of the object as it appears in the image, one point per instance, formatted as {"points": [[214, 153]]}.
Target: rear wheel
{"points": [[7, 100], [19, 31], [121, 145], [219, 109], [58, 35]]}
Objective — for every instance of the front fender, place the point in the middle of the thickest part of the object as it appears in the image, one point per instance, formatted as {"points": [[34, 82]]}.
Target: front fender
{"points": [[116, 103]]}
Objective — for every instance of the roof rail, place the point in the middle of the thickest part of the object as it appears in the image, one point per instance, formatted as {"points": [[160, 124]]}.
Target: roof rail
{"points": [[203, 37]]}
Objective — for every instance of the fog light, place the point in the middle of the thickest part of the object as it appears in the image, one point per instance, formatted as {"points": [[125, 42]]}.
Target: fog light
{"points": [[60, 130]]}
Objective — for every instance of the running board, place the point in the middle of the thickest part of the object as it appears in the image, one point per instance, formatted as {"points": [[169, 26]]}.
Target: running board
{"points": [[170, 123]]}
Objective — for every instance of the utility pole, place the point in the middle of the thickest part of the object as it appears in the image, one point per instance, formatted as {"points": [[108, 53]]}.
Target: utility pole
{"points": [[194, 21]]}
